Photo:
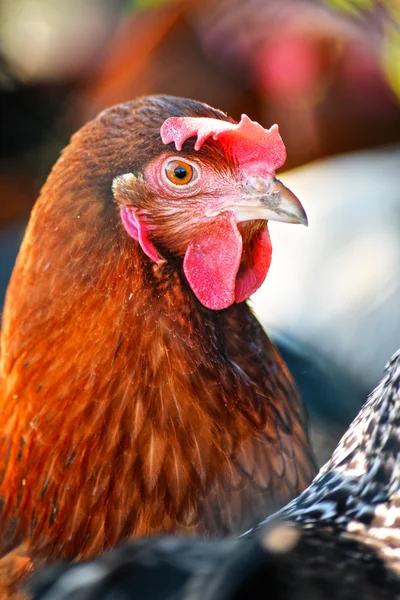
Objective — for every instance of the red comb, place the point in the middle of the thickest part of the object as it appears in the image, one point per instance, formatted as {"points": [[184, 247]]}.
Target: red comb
{"points": [[250, 143]]}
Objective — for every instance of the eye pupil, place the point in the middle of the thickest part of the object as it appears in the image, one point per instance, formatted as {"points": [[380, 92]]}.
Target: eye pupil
{"points": [[180, 172]]}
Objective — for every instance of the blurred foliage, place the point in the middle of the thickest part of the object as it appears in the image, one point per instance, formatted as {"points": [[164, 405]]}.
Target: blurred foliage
{"points": [[391, 58], [388, 10], [351, 6], [389, 15], [144, 4]]}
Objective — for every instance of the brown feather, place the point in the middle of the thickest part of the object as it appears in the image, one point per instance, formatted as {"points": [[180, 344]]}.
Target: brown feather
{"points": [[127, 408]]}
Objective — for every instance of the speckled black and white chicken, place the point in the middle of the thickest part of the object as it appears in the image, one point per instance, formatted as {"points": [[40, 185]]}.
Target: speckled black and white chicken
{"points": [[339, 539]]}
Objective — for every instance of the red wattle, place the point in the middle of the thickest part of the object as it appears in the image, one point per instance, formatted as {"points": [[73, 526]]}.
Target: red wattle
{"points": [[212, 261], [217, 269], [254, 267]]}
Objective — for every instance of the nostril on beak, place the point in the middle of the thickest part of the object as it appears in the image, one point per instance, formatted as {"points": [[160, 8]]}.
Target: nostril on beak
{"points": [[257, 185]]}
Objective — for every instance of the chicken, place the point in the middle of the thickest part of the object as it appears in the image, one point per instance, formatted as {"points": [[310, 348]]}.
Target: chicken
{"points": [[138, 393], [340, 539]]}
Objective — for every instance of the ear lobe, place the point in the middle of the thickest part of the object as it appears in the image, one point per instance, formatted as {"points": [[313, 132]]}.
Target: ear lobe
{"points": [[212, 261], [139, 230]]}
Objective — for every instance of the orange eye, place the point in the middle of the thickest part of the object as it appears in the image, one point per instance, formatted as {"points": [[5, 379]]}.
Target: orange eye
{"points": [[179, 172]]}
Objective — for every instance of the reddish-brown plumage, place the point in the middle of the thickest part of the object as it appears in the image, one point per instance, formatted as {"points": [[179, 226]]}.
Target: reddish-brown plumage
{"points": [[126, 407]]}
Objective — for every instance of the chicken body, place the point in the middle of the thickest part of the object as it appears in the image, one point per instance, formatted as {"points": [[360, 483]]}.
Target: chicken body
{"points": [[339, 539], [128, 407]]}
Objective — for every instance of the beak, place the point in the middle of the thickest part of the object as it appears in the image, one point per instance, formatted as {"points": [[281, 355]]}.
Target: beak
{"points": [[269, 200]]}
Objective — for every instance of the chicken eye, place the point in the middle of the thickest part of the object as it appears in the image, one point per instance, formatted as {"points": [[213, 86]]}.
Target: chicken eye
{"points": [[180, 172]]}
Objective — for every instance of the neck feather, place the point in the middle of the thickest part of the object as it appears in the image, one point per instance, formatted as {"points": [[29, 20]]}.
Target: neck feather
{"points": [[126, 407], [104, 354]]}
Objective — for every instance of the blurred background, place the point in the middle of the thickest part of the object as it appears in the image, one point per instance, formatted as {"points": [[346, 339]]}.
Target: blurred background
{"points": [[328, 72]]}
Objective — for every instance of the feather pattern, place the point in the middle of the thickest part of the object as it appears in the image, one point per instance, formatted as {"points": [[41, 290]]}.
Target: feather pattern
{"points": [[358, 491], [338, 540], [127, 408]]}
